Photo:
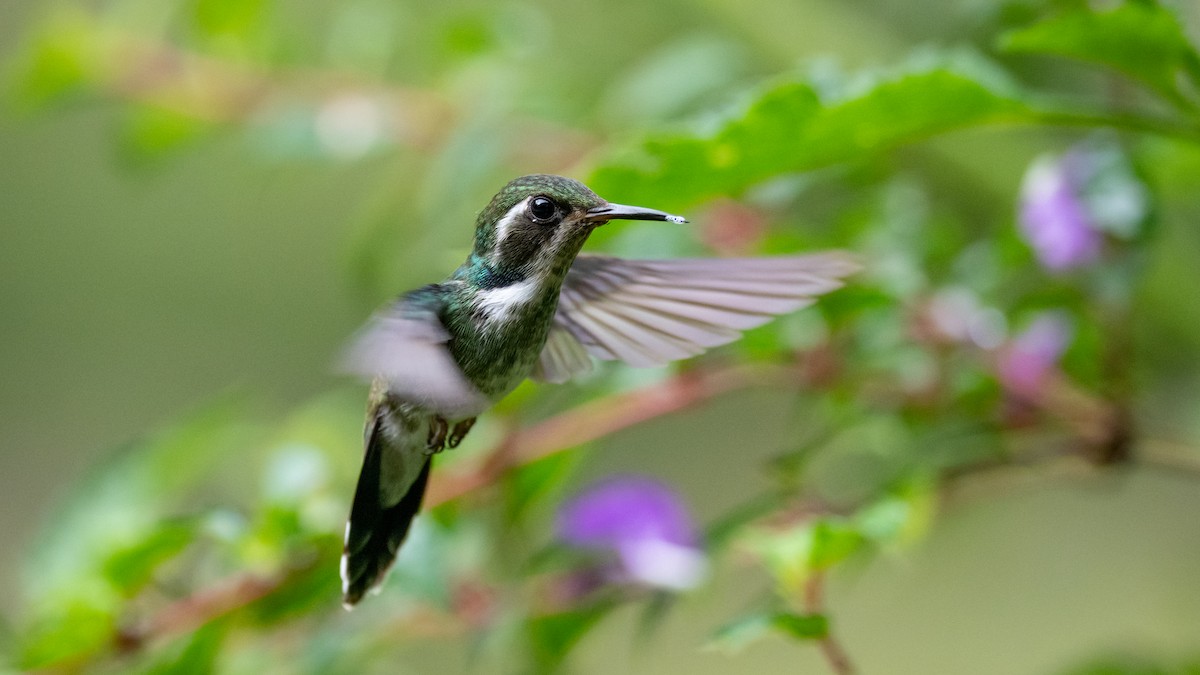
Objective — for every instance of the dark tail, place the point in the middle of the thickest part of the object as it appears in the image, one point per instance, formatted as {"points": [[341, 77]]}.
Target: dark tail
{"points": [[375, 529]]}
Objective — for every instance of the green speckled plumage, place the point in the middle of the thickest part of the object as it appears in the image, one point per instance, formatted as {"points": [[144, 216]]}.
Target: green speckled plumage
{"points": [[497, 358], [497, 355]]}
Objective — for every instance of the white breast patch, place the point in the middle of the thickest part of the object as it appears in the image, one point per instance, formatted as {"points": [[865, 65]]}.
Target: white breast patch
{"points": [[498, 304]]}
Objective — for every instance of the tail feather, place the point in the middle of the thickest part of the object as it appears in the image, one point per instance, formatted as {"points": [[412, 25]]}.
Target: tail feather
{"points": [[375, 530]]}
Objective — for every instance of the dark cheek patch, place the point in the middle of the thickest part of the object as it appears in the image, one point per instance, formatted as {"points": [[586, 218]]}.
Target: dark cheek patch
{"points": [[523, 242]]}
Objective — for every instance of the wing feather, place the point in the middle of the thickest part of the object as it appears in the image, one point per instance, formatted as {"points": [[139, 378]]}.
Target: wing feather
{"points": [[650, 312], [405, 344], [562, 358]]}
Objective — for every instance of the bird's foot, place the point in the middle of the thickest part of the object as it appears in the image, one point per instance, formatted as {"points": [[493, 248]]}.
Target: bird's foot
{"points": [[460, 432], [437, 435]]}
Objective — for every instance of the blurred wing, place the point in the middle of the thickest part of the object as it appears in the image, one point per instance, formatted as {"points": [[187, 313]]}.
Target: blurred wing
{"points": [[562, 358], [650, 312], [406, 346]]}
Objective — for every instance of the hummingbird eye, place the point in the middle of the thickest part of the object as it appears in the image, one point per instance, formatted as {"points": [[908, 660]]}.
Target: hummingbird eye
{"points": [[543, 210]]}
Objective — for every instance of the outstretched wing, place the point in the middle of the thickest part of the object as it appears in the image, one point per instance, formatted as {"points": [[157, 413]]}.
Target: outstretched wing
{"points": [[405, 345], [650, 312]]}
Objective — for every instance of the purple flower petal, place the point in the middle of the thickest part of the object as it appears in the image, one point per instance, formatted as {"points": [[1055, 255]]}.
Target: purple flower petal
{"points": [[623, 508], [644, 523], [1054, 219], [1034, 354], [656, 562]]}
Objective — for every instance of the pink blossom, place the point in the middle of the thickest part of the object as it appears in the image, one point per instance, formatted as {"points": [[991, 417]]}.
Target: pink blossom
{"points": [[1033, 355]]}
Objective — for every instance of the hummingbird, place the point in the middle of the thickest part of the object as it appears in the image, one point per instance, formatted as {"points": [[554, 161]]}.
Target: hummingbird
{"points": [[526, 304]]}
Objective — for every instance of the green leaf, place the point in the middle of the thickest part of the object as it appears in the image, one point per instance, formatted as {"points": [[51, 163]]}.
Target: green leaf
{"points": [[68, 633], [552, 636], [681, 75], [536, 481], [1143, 40], [433, 556], [131, 568], [237, 29], [654, 613], [741, 633], [795, 553], [722, 532], [194, 654], [788, 128], [60, 59], [217, 17], [312, 583], [801, 626], [832, 542], [123, 502], [153, 131], [902, 516], [469, 35]]}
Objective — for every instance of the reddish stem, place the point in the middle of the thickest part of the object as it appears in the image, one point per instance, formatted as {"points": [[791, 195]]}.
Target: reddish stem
{"points": [[569, 429], [831, 649]]}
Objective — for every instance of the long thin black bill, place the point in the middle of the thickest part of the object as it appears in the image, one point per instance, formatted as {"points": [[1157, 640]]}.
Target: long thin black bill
{"points": [[622, 212]]}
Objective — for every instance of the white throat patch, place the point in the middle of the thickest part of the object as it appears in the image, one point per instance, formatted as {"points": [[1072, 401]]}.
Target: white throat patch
{"points": [[498, 304]]}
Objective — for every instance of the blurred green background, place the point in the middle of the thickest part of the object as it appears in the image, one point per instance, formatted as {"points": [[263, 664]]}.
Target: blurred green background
{"points": [[177, 231]]}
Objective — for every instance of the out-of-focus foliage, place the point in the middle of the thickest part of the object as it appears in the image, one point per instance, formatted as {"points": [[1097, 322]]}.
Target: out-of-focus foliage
{"points": [[1138, 39], [793, 126], [963, 346]]}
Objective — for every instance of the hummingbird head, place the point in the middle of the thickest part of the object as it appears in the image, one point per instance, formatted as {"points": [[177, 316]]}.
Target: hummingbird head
{"points": [[537, 224]]}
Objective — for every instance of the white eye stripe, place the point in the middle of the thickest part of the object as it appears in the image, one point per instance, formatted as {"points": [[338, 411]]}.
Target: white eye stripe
{"points": [[504, 224]]}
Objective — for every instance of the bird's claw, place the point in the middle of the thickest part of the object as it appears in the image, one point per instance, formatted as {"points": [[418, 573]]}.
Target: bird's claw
{"points": [[442, 437], [460, 432], [437, 435]]}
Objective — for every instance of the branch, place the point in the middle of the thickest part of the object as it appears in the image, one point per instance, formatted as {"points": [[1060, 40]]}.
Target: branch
{"points": [[831, 649], [130, 68], [564, 431], [135, 69], [597, 419], [199, 608]]}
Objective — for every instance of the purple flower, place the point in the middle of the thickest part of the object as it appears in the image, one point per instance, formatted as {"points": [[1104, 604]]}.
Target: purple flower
{"points": [[1069, 202], [644, 522], [1033, 355], [1054, 219]]}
